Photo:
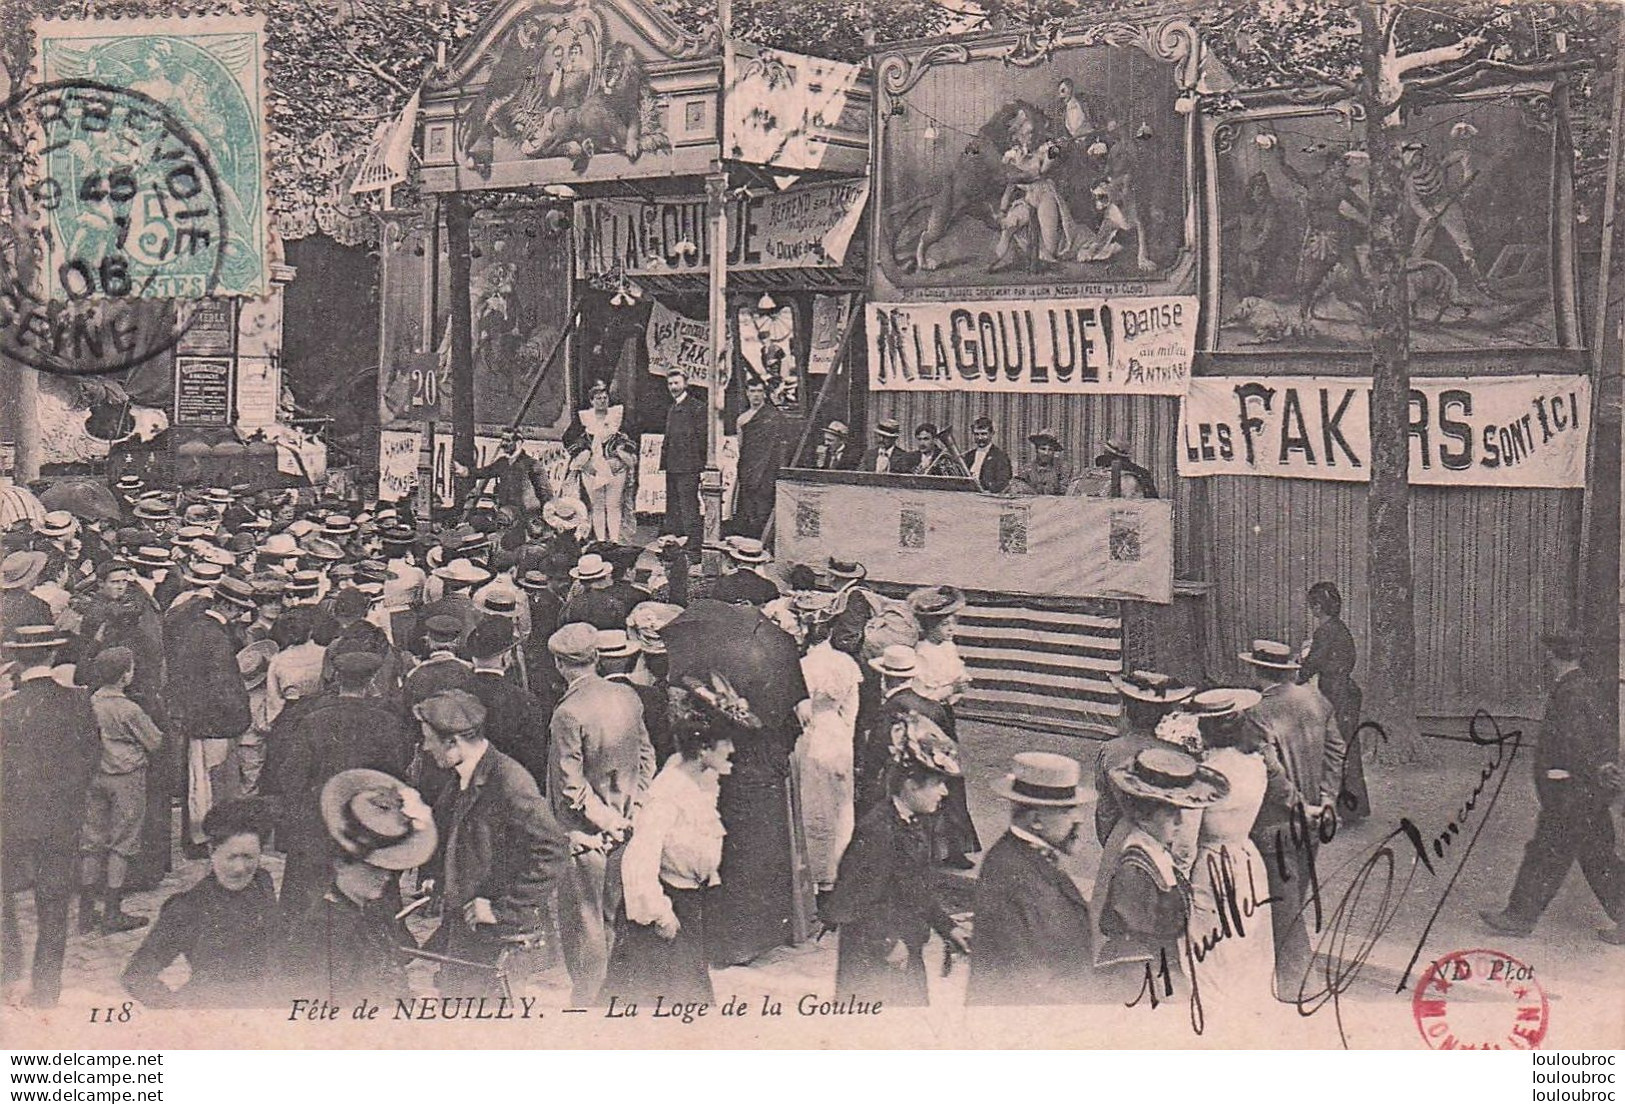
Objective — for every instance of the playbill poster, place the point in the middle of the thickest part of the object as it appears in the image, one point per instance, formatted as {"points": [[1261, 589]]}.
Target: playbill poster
{"points": [[467, 743]]}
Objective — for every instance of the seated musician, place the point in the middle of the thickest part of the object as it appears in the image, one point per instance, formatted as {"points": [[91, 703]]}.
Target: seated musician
{"points": [[986, 461], [1129, 479], [1047, 473], [886, 457], [935, 457]]}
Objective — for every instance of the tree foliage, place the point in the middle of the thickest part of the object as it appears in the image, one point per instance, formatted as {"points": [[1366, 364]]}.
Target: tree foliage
{"points": [[335, 68]]}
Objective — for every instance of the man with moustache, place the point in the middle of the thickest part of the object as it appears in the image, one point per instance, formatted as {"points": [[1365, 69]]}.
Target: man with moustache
{"points": [[1034, 939]]}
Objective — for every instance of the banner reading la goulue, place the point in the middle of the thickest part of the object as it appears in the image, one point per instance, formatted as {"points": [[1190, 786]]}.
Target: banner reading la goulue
{"points": [[1507, 431], [1138, 346]]}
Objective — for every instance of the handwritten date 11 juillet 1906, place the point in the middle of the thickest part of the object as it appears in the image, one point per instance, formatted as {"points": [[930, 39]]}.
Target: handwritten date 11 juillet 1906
{"points": [[1380, 880]]}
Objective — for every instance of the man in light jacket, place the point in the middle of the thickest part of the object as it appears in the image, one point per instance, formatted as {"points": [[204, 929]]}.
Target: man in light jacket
{"points": [[599, 766]]}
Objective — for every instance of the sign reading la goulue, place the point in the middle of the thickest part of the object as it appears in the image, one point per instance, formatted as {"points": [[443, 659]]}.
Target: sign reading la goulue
{"points": [[1507, 431], [1138, 346]]}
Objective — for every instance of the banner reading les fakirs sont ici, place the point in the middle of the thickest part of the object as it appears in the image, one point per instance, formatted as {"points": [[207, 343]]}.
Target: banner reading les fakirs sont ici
{"points": [[1508, 431]]}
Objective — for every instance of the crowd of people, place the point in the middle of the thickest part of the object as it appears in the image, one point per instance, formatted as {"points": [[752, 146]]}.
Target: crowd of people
{"points": [[518, 736]]}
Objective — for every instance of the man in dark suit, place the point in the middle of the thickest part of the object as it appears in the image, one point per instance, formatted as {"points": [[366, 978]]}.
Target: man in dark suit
{"points": [[897, 666], [988, 464], [205, 694], [520, 485], [346, 731], [49, 747], [682, 458], [740, 583], [1034, 939], [886, 457], [515, 721], [762, 444], [833, 453], [501, 852], [1576, 776]]}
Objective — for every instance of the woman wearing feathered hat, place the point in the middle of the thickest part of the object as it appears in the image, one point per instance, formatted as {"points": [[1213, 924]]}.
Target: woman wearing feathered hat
{"points": [[883, 903], [825, 751], [675, 851]]}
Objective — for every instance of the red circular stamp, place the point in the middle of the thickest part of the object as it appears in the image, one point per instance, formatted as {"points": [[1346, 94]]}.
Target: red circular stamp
{"points": [[1480, 1000]]}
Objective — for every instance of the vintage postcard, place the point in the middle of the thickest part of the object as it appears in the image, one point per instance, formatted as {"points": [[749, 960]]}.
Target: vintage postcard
{"points": [[575, 524]]}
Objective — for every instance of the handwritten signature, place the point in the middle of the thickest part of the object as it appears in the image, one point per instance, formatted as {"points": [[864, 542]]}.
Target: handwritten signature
{"points": [[1380, 880]]}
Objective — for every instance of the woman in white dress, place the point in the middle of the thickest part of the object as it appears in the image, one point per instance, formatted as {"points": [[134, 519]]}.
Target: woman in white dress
{"points": [[944, 678], [607, 462], [824, 752], [1232, 943]]}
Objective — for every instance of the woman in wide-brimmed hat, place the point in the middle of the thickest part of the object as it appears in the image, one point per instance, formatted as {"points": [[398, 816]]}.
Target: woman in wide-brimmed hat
{"points": [[1142, 893], [675, 851], [944, 678], [346, 947]]}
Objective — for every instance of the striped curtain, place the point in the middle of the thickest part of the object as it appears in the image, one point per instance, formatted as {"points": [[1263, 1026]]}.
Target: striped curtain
{"points": [[1038, 662]]}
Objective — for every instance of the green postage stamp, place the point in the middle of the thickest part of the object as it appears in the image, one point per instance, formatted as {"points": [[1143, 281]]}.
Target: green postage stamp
{"points": [[206, 76]]}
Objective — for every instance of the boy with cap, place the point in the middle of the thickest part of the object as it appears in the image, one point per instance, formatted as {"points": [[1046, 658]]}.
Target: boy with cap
{"points": [[502, 854], [117, 802]]}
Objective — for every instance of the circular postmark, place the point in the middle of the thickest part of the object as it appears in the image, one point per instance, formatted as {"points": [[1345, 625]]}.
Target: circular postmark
{"points": [[114, 219], [1480, 1000]]}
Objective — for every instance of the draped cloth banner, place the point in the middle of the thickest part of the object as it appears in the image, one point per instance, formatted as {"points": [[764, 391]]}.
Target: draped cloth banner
{"points": [[807, 226], [1045, 546], [1140, 346], [677, 341], [1502, 431]]}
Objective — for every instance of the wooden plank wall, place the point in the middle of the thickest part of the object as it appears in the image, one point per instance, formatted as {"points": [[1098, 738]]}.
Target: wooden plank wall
{"points": [[1493, 567]]}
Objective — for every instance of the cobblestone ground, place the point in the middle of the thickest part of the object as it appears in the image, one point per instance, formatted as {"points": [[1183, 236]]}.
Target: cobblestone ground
{"points": [[1564, 949]]}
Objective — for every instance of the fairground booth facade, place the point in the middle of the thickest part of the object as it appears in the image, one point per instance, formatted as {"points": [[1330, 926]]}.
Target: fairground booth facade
{"points": [[1085, 233], [1088, 233], [600, 172]]}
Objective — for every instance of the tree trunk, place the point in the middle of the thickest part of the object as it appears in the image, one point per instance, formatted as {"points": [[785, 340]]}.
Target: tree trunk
{"points": [[462, 335], [1391, 698]]}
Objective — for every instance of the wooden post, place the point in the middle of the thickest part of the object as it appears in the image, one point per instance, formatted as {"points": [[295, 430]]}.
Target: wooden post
{"points": [[460, 259], [716, 214], [1600, 526]]}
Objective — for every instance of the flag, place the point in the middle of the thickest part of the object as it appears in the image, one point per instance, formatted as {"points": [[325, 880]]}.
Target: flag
{"points": [[388, 158]]}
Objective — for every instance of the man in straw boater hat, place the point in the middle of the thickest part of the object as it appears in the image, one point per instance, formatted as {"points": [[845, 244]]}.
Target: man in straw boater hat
{"points": [[49, 745], [1147, 697], [883, 903], [595, 604], [1034, 936], [1142, 896], [897, 665], [502, 854], [599, 766], [741, 583], [1299, 722], [345, 946], [1577, 775], [886, 456]]}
